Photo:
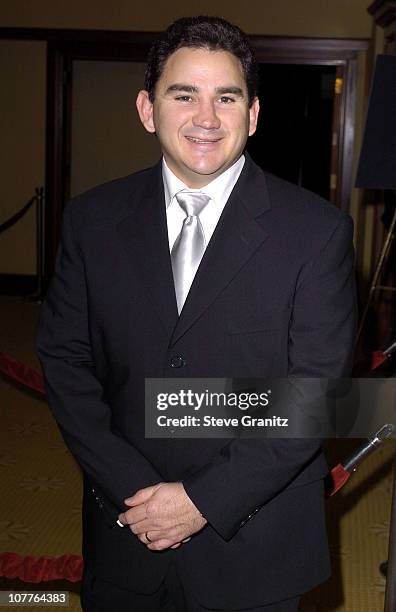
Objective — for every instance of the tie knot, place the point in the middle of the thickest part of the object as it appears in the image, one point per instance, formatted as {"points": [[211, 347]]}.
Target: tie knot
{"points": [[192, 203]]}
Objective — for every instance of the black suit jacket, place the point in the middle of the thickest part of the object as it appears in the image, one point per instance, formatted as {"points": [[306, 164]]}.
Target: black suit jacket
{"points": [[273, 297]]}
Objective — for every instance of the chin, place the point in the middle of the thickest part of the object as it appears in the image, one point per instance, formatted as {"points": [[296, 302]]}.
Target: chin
{"points": [[206, 169]]}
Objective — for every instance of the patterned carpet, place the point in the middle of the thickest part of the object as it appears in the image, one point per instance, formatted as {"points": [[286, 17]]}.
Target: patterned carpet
{"points": [[40, 488]]}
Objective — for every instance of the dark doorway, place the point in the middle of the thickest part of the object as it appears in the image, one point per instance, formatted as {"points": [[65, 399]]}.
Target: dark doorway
{"points": [[294, 135]]}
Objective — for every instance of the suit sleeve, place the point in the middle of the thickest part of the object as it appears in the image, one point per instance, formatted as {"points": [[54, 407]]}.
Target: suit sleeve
{"points": [[247, 473], [74, 391]]}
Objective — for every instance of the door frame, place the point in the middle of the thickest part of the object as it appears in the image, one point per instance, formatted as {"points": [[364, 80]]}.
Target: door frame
{"points": [[66, 46]]}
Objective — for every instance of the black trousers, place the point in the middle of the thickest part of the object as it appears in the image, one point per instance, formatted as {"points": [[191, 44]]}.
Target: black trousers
{"points": [[98, 595]]}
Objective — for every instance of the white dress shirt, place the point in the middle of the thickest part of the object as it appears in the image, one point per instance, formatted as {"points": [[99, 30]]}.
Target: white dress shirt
{"points": [[218, 190]]}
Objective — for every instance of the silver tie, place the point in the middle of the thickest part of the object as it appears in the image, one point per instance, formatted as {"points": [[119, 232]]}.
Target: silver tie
{"points": [[189, 246]]}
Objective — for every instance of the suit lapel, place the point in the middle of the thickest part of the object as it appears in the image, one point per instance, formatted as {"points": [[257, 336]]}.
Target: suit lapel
{"points": [[237, 236], [144, 235]]}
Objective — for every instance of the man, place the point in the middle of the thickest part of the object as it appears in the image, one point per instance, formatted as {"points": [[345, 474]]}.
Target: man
{"points": [[202, 266]]}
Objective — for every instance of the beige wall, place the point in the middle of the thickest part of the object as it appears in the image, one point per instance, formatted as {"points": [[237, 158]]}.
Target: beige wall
{"points": [[22, 109], [22, 129], [108, 139], [333, 18]]}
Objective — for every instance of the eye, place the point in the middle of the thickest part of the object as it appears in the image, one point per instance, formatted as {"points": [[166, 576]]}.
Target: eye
{"points": [[184, 98], [226, 100]]}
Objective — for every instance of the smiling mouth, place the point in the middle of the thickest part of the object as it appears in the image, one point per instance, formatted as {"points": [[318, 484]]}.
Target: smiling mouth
{"points": [[202, 141]]}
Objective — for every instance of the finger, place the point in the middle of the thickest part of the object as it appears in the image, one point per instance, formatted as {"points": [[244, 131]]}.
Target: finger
{"points": [[134, 515], [122, 518], [142, 538], [186, 540], [142, 527], [142, 496], [154, 524], [145, 526], [152, 537], [155, 535], [176, 545], [161, 544], [147, 538]]}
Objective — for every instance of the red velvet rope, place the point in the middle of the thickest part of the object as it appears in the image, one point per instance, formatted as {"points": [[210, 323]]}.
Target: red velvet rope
{"points": [[41, 569], [22, 373]]}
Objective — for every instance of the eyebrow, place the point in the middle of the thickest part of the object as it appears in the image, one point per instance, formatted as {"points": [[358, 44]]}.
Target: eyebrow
{"points": [[237, 91], [183, 87]]}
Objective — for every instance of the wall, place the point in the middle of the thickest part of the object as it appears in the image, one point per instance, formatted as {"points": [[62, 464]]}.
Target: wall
{"points": [[22, 128], [335, 18], [108, 139], [23, 76]]}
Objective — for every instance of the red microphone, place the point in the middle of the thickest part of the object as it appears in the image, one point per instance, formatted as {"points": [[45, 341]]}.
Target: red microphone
{"points": [[378, 357], [341, 473]]}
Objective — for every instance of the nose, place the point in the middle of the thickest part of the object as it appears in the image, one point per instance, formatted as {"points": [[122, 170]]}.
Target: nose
{"points": [[205, 116]]}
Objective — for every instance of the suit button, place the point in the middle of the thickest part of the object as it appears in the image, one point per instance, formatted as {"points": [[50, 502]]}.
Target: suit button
{"points": [[177, 361]]}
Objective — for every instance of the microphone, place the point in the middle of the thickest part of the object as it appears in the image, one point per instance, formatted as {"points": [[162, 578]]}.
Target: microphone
{"points": [[341, 473], [378, 357], [365, 449]]}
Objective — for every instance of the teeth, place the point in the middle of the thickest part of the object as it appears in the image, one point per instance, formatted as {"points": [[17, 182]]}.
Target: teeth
{"points": [[201, 141]]}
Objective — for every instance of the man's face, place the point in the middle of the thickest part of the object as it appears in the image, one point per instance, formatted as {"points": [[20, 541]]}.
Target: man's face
{"points": [[200, 113]]}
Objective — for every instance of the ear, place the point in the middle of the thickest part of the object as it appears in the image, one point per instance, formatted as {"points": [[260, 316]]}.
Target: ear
{"points": [[145, 109], [253, 116]]}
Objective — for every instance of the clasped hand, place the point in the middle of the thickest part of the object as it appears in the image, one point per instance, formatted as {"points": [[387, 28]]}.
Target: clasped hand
{"points": [[162, 516]]}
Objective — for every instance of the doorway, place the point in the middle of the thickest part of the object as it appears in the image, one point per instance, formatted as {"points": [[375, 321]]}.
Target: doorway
{"points": [[294, 135]]}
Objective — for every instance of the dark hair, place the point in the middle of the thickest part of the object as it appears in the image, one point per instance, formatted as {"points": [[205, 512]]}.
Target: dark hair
{"points": [[211, 33]]}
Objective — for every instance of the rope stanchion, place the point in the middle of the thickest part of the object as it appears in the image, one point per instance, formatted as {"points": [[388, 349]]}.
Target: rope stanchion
{"points": [[12, 220], [38, 198], [41, 569], [40, 241], [22, 373]]}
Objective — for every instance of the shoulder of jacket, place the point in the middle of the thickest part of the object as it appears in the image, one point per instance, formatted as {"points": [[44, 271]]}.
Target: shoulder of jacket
{"points": [[109, 201], [301, 203]]}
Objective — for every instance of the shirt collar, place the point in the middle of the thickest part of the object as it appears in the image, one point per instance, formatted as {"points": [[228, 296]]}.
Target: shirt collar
{"points": [[217, 189]]}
